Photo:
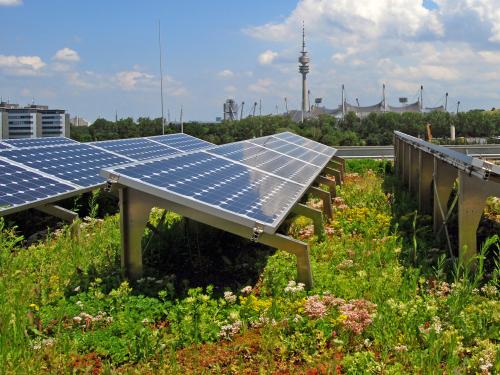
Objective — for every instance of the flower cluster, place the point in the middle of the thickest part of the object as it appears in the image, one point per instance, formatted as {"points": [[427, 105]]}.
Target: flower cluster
{"points": [[346, 263], [339, 203], [40, 343], [294, 287], [436, 326], [85, 320], [246, 290], [440, 288], [357, 315], [229, 297], [315, 308], [229, 330], [401, 348], [489, 290]]}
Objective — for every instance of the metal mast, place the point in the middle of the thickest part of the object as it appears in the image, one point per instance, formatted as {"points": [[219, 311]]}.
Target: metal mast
{"points": [[161, 82], [304, 69], [182, 123]]}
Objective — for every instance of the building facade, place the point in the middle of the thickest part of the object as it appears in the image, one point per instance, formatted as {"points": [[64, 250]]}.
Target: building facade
{"points": [[32, 121]]}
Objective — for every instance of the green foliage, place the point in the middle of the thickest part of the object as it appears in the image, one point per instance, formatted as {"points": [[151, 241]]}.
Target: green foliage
{"points": [[375, 129], [64, 306]]}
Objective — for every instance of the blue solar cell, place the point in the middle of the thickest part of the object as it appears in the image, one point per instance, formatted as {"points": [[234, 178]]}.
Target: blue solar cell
{"points": [[3, 146], [19, 186], [137, 148], [307, 143], [219, 183], [268, 160], [35, 142], [182, 142], [80, 163], [290, 149]]}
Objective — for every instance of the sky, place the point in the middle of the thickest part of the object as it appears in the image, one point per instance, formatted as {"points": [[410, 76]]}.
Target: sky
{"points": [[97, 58]]}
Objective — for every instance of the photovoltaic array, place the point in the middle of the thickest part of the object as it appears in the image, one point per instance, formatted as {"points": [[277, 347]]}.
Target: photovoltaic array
{"points": [[60, 167], [250, 182]]}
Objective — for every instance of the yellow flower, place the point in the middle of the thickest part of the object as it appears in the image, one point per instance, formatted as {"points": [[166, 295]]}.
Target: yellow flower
{"points": [[34, 306]]}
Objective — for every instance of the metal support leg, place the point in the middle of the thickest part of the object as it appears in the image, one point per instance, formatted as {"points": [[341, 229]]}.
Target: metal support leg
{"points": [[444, 177], [341, 162], [135, 208], [313, 214], [413, 175], [332, 186], [471, 201], [326, 198], [426, 167], [335, 173], [405, 163]]}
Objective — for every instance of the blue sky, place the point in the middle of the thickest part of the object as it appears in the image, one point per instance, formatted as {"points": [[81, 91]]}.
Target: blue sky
{"points": [[94, 57]]}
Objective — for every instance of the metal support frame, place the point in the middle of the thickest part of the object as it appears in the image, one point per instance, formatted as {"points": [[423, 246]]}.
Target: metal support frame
{"points": [[413, 174], [444, 177], [341, 163], [335, 173], [426, 168], [332, 186], [472, 194], [135, 207], [59, 212], [63, 214], [326, 198], [423, 166], [313, 214]]}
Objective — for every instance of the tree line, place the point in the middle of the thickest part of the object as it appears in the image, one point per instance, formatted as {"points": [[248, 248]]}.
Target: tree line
{"points": [[375, 129]]}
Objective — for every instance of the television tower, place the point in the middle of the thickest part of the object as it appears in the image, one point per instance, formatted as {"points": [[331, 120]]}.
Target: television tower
{"points": [[304, 69]]}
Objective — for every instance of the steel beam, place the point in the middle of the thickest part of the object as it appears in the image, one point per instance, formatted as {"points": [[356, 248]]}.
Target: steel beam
{"points": [[413, 172], [135, 207], [332, 186], [59, 212], [333, 172], [341, 162], [426, 168], [444, 177], [472, 194], [405, 163], [313, 214], [326, 198]]}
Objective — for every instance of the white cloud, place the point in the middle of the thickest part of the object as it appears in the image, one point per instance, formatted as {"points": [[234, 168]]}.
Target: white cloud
{"points": [[22, 65], [10, 2], [230, 89], [261, 86], [66, 54], [226, 73], [267, 57], [130, 80]]}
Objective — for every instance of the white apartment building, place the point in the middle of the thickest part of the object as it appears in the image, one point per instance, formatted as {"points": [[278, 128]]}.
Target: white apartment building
{"points": [[32, 121]]}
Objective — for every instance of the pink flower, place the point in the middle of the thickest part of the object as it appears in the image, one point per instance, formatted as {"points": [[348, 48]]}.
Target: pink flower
{"points": [[358, 315], [314, 307]]}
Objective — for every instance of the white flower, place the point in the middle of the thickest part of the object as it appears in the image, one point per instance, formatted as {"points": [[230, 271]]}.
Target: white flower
{"points": [[79, 304], [293, 287], [229, 297], [401, 348], [77, 289], [246, 290], [77, 319], [145, 321]]}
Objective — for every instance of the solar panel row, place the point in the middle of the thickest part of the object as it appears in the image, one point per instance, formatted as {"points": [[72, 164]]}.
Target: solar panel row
{"points": [[75, 165], [249, 181]]}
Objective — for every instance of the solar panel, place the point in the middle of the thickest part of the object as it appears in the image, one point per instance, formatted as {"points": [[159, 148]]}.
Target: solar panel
{"points": [[291, 149], [19, 186], [307, 143], [137, 148], [267, 160], [79, 163], [215, 185], [3, 146], [36, 142], [182, 142]]}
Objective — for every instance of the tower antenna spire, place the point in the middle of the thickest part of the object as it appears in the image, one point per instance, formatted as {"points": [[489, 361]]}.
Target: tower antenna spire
{"points": [[304, 70]]}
